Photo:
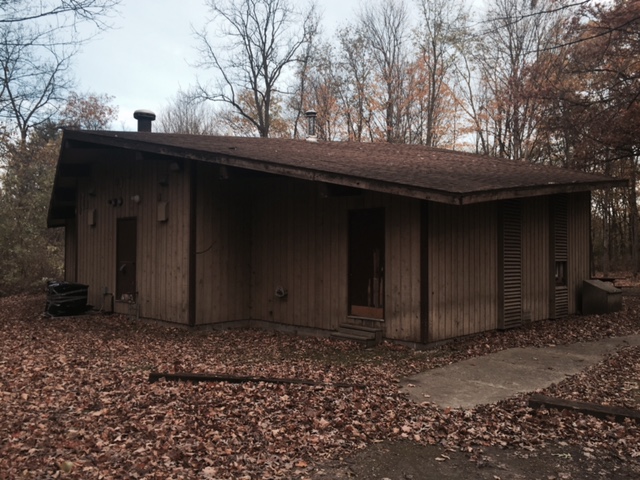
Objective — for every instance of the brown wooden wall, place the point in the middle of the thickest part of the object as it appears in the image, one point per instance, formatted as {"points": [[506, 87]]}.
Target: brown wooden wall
{"points": [[578, 232], [70, 250], [162, 247], [298, 240], [223, 248], [536, 287], [463, 275], [256, 233]]}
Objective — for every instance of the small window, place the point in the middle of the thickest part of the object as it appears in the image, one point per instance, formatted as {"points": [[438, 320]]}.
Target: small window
{"points": [[561, 274]]}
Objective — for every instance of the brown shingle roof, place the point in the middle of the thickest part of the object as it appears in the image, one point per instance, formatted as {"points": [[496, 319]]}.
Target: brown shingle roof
{"points": [[451, 173], [409, 170]]}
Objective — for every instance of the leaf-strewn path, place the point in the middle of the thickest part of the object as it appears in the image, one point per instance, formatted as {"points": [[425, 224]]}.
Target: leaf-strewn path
{"points": [[75, 401]]}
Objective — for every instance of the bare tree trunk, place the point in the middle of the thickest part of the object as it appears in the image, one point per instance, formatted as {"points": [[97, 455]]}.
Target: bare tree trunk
{"points": [[634, 217], [385, 25], [606, 234], [264, 38]]}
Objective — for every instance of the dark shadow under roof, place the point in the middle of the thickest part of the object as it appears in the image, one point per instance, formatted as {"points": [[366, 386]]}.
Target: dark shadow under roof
{"points": [[409, 170]]}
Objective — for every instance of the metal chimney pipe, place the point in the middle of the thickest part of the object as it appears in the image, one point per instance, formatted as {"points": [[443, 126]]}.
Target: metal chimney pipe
{"points": [[311, 125], [144, 117]]}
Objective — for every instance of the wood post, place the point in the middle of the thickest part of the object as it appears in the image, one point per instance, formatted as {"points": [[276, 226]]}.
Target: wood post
{"points": [[201, 377], [605, 412]]}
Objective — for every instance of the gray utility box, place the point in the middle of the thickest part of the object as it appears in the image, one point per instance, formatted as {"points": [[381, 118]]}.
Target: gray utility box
{"points": [[600, 297]]}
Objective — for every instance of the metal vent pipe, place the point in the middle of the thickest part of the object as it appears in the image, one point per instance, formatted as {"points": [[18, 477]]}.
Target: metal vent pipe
{"points": [[144, 117]]}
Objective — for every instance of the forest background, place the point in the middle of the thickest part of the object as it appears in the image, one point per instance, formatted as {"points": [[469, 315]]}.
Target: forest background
{"points": [[542, 81]]}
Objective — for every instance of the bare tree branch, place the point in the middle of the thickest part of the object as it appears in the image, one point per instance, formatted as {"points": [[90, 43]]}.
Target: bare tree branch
{"points": [[37, 42], [260, 40], [183, 114], [28, 11]]}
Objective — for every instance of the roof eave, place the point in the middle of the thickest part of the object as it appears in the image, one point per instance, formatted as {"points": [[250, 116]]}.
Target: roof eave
{"points": [[440, 196], [551, 189], [52, 221]]}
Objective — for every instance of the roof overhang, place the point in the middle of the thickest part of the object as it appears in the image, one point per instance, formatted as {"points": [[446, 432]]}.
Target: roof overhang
{"points": [[459, 178]]}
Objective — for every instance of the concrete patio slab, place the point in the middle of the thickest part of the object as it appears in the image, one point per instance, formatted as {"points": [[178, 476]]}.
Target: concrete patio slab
{"points": [[500, 375]]}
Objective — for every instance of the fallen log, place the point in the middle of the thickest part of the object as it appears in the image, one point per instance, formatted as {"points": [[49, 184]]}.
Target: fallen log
{"points": [[605, 412], [202, 377]]}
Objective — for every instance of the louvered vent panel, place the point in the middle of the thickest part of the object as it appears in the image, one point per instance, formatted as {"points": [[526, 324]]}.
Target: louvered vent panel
{"points": [[560, 228], [562, 302], [511, 265]]}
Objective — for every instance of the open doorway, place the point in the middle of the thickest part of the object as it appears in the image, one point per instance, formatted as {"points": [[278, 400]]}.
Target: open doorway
{"points": [[366, 263]]}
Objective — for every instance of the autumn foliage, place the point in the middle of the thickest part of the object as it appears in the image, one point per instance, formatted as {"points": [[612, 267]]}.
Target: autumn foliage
{"points": [[592, 119], [32, 253]]}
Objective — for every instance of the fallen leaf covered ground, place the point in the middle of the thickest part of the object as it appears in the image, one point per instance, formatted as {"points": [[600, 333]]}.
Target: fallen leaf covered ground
{"points": [[75, 401]]}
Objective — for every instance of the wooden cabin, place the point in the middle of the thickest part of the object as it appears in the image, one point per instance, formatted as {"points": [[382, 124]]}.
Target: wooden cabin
{"points": [[425, 244]]}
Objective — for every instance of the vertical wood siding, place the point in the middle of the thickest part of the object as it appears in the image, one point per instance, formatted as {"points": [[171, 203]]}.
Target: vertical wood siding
{"points": [[579, 251], [536, 255], [463, 269], [402, 300], [223, 248], [162, 247], [299, 242], [541, 250], [256, 234], [70, 250]]}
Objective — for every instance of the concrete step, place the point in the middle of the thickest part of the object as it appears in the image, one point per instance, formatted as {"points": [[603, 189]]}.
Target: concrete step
{"points": [[368, 336], [350, 328], [368, 342]]}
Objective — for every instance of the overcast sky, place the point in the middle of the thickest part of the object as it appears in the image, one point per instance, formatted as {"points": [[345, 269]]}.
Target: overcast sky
{"points": [[144, 60]]}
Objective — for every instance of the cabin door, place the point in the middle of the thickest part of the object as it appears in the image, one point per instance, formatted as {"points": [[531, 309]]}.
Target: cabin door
{"points": [[366, 263], [126, 248]]}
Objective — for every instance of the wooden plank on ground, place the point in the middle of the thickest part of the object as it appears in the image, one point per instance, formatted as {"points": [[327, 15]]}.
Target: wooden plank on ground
{"points": [[600, 411], [201, 377]]}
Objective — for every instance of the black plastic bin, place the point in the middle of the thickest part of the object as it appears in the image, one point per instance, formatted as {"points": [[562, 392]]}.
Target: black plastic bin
{"points": [[64, 298]]}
